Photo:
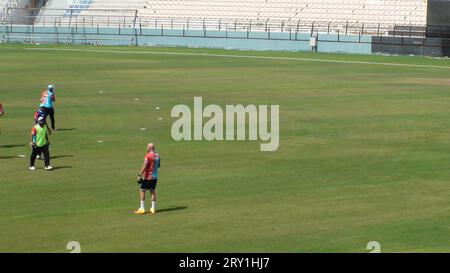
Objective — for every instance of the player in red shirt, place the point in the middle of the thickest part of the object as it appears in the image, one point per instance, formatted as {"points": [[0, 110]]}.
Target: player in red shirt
{"points": [[148, 178]]}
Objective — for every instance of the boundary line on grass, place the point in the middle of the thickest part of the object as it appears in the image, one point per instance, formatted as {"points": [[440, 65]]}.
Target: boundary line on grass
{"points": [[241, 56]]}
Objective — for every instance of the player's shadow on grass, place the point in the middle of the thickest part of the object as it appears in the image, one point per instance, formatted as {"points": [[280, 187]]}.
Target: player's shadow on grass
{"points": [[66, 129], [174, 208], [12, 145], [61, 156], [7, 157], [61, 167]]}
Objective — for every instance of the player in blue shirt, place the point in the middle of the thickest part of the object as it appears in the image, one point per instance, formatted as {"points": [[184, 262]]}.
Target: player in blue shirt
{"points": [[47, 100]]}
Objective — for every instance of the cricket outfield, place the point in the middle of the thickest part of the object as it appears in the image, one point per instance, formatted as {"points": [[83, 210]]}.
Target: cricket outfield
{"points": [[363, 154]]}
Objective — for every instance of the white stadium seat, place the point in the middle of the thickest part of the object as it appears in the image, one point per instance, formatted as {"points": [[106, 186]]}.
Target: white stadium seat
{"points": [[246, 12], [5, 6], [355, 11]]}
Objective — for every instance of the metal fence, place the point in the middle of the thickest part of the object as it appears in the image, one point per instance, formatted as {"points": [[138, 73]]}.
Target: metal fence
{"points": [[113, 26], [115, 18]]}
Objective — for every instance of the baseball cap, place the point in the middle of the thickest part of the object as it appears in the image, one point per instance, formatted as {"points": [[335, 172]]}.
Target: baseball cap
{"points": [[41, 119], [50, 87]]}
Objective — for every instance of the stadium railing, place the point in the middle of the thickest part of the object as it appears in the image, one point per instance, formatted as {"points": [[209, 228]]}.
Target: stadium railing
{"points": [[131, 19], [129, 25]]}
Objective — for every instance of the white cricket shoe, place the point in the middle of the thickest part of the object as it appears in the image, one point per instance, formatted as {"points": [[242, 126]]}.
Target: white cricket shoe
{"points": [[49, 168], [140, 211], [32, 168]]}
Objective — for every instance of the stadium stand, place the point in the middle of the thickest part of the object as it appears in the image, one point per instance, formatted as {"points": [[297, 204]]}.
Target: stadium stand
{"points": [[53, 9], [100, 11], [383, 12], [3, 3], [329, 16], [405, 12], [5, 6], [419, 27], [118, 4]]}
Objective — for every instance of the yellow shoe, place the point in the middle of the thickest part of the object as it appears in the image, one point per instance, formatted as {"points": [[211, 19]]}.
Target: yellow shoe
{"points": [[152, 211], [140, 211]]}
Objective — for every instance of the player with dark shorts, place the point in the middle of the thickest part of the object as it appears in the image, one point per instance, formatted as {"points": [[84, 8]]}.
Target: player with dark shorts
{"points": [[47, 100], [148, 185], [39, 143], [41, 112], [148, 178]]}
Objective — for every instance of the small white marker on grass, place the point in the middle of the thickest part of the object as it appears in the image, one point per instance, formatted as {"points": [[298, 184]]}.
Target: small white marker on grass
{"points": [[101, 91], [157, 108], [22, 156], [136, 99], [143, 129], [100, 141], [160, 118]]}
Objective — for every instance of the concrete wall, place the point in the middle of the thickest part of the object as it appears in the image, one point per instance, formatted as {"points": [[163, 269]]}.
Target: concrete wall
{"points": [[189, 38]]}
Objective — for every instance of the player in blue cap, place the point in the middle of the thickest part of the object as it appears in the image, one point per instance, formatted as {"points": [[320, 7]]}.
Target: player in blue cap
{"points": [[47, 100], [41, 112]]}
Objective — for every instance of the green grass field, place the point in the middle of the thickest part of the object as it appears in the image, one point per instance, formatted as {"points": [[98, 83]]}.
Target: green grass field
{"points": [[364, 153]]}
